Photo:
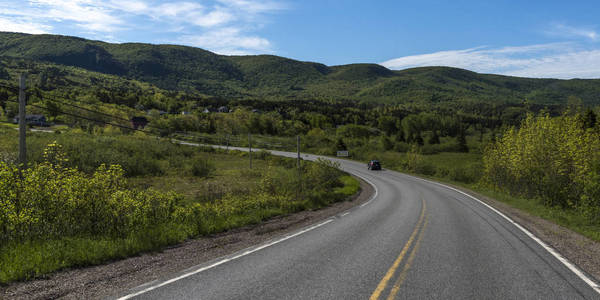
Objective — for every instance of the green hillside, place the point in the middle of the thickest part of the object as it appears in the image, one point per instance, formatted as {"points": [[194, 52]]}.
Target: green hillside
{"points": [[200, 72]]}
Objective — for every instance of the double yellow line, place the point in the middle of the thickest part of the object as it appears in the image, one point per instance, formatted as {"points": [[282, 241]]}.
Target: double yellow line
{"points": [[416, 234]]}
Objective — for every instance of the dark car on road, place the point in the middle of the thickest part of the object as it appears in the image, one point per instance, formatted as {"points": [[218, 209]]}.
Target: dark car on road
{"points": [[374, 165]]}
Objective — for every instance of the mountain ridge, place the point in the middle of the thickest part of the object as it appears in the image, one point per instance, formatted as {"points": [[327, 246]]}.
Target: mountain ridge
{"points": [[198, 71]]}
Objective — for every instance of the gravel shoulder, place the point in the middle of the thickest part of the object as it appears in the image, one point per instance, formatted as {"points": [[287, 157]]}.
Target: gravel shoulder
{"points": [[580, 250], [113, 278]]}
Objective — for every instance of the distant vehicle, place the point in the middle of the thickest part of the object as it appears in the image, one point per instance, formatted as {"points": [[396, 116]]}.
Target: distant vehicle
{"points": [[36, 120], [374, 165]]}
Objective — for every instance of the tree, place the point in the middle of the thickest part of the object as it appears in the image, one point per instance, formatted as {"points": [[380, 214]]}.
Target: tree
{"points": [[434, 139], [462, 142], [386, 143], [387, 124], [419, 139], [4, 74], [400, 136], [340, 145], [574, 104], [53, 109], [589, 120]]}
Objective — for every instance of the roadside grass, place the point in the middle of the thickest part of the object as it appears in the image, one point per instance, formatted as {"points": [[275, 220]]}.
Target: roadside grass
{"points": [[36, 258], [570, 219], [228, 195]]}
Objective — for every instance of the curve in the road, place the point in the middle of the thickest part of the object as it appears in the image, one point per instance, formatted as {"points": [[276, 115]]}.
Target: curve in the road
{"points": [[415, 239]]}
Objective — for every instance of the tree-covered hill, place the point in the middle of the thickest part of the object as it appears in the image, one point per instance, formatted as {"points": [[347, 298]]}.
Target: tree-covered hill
{"points": [[200, 72]]}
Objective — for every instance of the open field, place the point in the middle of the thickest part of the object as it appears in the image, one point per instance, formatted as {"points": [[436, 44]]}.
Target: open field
{"points": [[163, 194]]}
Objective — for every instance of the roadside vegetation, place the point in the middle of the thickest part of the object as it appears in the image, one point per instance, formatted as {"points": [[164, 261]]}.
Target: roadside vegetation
{"points": [[61, 212], [532, 143]]}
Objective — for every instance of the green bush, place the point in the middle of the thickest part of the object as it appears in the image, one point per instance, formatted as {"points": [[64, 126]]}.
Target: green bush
{"points": [[54, 216], [201, 167], [553, 159]]}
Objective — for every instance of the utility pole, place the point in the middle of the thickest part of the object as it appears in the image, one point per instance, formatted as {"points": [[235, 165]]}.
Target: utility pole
{"points": [[299, 189], [298, 149], [22, 123], [227, 142], [250, 150]]}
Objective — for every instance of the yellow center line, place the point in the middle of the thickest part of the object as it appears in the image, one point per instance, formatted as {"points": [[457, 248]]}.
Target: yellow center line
{"points": [[404, 272], [381, 286]]}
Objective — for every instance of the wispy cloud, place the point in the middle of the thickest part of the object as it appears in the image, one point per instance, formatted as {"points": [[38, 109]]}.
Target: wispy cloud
{"points": [[229, 41], [566, 31], [227, 26], [23, 25], [555, 60]]}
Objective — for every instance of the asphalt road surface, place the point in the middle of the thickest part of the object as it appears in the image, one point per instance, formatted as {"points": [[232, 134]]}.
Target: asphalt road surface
{"points": [[414, 240]]}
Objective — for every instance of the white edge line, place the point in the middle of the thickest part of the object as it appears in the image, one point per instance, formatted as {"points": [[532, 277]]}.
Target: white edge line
{"points": [[374, 187], [224, 261], [345, 214], [552, 251]]}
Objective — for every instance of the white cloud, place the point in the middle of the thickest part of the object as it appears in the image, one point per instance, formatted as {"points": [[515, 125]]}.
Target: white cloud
{"points": [[25, 26], [89, 14], [225, 26], [229, 41], [566, 31], [254, 7], [555, 60]]}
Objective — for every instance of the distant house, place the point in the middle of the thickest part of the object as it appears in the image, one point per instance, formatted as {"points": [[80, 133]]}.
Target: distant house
{"points": [[257, 111], [209, 110], [185, 112], [139, 122], [37, 120], [223, 109]]}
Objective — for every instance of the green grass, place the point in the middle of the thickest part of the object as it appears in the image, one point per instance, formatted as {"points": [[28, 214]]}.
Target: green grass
{"points": [[351, 186], [570, 219], [231, 196], [32, 259], [232, 175]]}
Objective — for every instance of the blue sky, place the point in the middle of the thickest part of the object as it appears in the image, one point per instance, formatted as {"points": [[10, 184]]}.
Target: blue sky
{"points": [[558, 39]]}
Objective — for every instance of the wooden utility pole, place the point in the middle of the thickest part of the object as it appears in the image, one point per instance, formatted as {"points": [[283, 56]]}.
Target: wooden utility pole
{"points": [[22, 122], [298, 149], [299, 189], [250, 150]]}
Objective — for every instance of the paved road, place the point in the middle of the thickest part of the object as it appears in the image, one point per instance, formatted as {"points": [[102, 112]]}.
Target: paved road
{"points": [[413, 240]]}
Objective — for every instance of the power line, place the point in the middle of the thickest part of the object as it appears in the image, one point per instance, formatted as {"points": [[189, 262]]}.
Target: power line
{"points": [[86, 118], [86, 109], [213, 139], [45, 97], [14, 89]]}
